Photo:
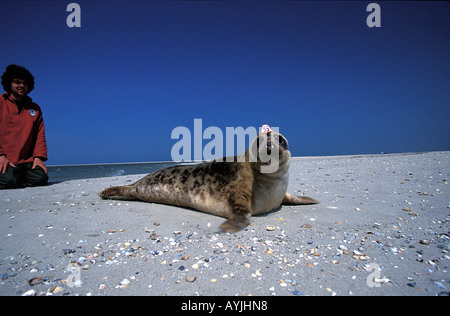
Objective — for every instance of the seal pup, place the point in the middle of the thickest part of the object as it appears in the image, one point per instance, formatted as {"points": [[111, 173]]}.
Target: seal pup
{"points": [[232, 187]]}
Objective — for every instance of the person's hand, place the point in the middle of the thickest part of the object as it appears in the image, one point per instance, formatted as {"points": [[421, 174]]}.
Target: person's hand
{"points": [[40, 163], [4, 163]]}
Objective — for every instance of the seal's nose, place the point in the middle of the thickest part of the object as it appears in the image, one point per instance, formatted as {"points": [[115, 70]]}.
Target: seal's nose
{"points": [[269, 147]]}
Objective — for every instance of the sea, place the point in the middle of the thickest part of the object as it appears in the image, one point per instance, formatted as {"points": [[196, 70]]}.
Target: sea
{"points": [[76, 172]]}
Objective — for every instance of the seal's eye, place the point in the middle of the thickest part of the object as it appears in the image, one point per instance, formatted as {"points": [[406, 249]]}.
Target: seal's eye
{"points": [[283, 142]]}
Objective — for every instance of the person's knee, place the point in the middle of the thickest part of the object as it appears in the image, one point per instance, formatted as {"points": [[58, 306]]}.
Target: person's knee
{"points": [[6, 181], [39, 182], [37, 178]]}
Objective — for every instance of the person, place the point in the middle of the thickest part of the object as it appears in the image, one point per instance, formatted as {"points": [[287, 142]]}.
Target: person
{"points": [[23, 147]]}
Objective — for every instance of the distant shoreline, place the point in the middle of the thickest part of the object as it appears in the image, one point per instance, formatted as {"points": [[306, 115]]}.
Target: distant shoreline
{"points": [[371, 155], [109, 163], [294, 157]]}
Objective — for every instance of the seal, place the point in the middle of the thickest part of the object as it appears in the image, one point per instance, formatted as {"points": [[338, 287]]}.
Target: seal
{"points": [[232, 187]]}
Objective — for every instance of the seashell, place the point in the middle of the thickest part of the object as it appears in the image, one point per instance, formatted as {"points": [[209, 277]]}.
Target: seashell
{"points": [[35, 281], [29, 293], [68, 251]]}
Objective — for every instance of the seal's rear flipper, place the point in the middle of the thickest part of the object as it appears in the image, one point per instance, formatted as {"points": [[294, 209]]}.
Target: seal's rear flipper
{"points": [[297, 200], [118, 193]]}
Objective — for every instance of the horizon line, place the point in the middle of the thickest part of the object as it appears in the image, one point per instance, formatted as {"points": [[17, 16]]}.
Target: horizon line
{"points": [[201, 161]]}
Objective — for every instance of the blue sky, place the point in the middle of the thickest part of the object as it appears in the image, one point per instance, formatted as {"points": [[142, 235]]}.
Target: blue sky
{"points": [[114, 89]]}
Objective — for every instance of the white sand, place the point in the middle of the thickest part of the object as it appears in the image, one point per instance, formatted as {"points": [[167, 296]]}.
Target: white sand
{"points": [[314, 250]]}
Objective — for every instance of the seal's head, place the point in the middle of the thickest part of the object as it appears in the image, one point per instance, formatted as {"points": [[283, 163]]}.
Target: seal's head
{"points": [[270, 151]]}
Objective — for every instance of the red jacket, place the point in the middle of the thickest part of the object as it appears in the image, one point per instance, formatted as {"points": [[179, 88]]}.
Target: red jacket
{"points": [[22, 135]]}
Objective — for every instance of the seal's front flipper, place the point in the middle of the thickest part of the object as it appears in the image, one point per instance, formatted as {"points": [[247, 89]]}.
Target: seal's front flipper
{"points": [[118, 193], [297, 200], [235, 224], [240, 212]]}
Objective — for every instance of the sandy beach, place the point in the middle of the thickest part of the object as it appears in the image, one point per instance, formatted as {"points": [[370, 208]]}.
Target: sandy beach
{"points": [[381, 228]]}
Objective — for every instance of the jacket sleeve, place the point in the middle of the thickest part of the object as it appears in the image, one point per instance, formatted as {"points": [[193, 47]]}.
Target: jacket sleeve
{"points": [[2, 151], [40, 147]]}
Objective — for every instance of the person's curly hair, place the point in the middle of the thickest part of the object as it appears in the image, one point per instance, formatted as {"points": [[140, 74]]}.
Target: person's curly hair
{"points": [[17, 72]]}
